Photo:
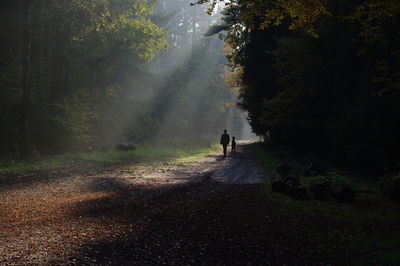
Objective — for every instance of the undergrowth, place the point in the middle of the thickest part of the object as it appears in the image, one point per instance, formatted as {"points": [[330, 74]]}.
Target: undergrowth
{"points": [[370, 209], [266, 159], [142, 153]]}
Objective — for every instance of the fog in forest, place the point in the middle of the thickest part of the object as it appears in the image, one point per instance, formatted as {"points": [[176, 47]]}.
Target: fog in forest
{"points": [[85, 75]]}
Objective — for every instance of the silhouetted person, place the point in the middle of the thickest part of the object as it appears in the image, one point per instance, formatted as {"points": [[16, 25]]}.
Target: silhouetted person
{"points": [[224, 141], [233, 146]]}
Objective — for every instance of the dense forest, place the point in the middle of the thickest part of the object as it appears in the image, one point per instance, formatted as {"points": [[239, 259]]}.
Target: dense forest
{"points": [[320, 78], [85, 75], [113, 142], [317, 77]]}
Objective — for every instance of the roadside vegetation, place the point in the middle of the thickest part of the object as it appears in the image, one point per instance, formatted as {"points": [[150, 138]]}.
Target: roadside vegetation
{"points": [[142, 153], [372, 219]]}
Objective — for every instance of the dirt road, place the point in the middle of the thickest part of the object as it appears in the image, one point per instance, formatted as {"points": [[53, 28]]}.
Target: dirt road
{"points": [[209, 212]]}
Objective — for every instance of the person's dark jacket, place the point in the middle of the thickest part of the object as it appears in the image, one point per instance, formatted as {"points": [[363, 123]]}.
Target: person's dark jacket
{"points": [[224, 139]]}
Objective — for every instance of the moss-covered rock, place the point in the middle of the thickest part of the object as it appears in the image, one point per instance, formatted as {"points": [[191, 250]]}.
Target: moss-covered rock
{"points": [[319, 187], [391, 188]]}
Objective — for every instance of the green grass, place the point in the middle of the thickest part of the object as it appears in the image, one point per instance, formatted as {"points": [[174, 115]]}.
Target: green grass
{"points": [[142, 153], [194, 155], [387, 212], [148, 153], [33, 164], [392, 254], [266, 159], [369, 210]]}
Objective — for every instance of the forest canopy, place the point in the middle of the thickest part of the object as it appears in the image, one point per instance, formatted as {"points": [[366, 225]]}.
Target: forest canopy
{"points": [[87, 74], [319, 77]]}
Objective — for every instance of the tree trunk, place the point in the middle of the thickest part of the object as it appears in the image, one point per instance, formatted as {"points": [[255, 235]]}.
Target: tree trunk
{"points": [[194, 22], [26, 108]]}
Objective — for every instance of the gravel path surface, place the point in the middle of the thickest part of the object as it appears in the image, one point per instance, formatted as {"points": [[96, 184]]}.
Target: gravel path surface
{"points": [[210, 212]]}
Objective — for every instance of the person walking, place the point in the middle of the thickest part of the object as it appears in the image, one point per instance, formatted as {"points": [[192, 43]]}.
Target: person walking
{"points": [[233, 146], [224, 141]]}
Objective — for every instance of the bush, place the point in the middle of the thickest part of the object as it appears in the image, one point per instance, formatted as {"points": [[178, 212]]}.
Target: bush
{"points": [[332, 184], [391, 188], [319, 187]]}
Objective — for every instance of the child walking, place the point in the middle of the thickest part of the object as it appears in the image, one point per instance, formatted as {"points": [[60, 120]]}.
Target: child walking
{"points": [[233, 146]]}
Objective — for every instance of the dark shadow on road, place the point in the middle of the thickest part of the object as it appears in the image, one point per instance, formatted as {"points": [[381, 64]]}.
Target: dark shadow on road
{"points": [[82, 167], [205, 223]]}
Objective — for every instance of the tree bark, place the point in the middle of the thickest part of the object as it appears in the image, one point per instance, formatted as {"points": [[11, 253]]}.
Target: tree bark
{"points": [[26, 108], [194, 22]]}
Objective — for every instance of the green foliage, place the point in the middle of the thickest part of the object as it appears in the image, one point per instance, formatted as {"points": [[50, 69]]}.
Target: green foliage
{"points": [[94, 73], [308, 180], [77, 119], [392, 254], [192, 108], [262, 14], [334, 95], [331, 178], [369, 211], [81, 60], [339, 180], [266, 159], [18, 166], [377, 25]]}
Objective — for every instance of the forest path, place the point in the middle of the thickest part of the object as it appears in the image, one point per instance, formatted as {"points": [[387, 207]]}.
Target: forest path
{"points": [[208, 212]]}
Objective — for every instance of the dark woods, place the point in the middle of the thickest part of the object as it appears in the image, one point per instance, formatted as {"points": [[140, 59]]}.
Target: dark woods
{"points": [[325, 88], [320, 78], [86, 74]]}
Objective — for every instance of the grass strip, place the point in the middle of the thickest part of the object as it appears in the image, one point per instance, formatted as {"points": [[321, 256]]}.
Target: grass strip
{"points": [[142, 153]]}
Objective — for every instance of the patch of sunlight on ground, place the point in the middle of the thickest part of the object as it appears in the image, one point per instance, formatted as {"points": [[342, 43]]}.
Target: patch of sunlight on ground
{"points": [[142, 153], [189, 157]]}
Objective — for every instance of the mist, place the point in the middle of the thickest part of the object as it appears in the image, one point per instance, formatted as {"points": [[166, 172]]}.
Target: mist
{"points": [[113, 148], [86, 75]]}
